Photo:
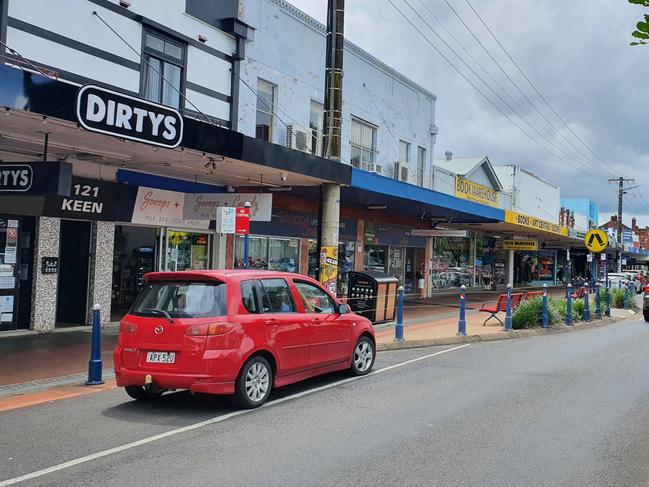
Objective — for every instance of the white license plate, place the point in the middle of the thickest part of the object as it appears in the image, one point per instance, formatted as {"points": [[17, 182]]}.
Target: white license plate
{"points": [[161, 357]]}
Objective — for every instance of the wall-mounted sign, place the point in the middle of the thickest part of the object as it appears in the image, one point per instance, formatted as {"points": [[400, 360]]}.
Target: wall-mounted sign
{"points": [[161, 207], [535, 223], [108, 112], [204, 206], [50, 265], [432, 232], [91, 199], [226, 218], [520, 244], [35, 178], [243, 221], [469, 190]]}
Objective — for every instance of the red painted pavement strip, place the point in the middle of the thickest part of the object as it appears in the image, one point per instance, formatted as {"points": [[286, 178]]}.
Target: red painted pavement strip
{"points": [[52, 394]]}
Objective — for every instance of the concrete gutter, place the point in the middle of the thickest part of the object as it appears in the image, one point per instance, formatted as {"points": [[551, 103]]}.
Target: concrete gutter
{"points": [[530, 332]]}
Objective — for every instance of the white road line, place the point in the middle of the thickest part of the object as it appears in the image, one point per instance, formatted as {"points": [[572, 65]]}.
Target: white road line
{"points": [[207, 422]]}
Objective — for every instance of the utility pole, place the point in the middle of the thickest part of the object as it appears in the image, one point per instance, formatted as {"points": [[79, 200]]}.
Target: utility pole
{"points": [[620, 193], [333, 103]]}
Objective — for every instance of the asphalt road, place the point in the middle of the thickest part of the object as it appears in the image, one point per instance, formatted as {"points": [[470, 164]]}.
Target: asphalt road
{"points": [[569, 409]]}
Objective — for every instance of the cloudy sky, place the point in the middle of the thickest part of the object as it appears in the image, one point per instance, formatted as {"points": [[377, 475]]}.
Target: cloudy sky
{"points": [[575, 52]]}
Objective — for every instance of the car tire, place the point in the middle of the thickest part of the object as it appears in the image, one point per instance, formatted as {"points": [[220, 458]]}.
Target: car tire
{"points": [[646, 317], [254, 383], [140, 393], [363, 356]]}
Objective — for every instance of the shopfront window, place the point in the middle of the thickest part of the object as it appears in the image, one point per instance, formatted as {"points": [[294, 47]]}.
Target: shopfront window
{"points": [[269, 253], [188, 250], [451, 262], [314, 259], [283, 254], [374, 258]]}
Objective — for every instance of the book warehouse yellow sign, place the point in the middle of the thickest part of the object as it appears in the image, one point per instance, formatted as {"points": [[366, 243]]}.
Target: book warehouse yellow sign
{"points": [[519, 244], [535, 223], [469, 190]]}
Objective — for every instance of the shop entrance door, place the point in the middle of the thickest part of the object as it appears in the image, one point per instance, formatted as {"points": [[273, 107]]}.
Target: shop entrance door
{"points": [[188, 250], [397, 263], [74, 263]]}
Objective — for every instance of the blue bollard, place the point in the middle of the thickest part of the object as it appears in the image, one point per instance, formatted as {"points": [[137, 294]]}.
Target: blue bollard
{"points": [[508, 313], [94, 365], [626, 296], [545, 322], [598, 305], [461, 324], [398, 329], [569, 305], [586, 306], [607, 311]]}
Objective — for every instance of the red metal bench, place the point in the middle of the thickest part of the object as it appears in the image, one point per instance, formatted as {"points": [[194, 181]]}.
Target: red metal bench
{"points": [[579, 294], [501, 306], [533, 294]]}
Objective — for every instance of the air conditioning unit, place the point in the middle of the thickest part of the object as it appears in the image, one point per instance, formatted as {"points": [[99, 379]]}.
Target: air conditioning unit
{"points": [[298, 138], [400, 172], [375, 168]]}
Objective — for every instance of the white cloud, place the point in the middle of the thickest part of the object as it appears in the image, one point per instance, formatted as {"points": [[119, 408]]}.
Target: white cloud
{"points": [[577, 53]]}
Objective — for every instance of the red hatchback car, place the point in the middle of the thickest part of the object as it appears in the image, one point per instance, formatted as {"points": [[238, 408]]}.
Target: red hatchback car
{"points": [[236, 332]]}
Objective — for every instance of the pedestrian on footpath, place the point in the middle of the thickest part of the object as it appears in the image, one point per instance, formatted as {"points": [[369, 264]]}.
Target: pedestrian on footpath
{"points": [[420, 281]]}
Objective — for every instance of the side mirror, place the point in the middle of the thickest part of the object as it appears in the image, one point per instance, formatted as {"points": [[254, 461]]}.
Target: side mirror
{"points": [[344, 309]]}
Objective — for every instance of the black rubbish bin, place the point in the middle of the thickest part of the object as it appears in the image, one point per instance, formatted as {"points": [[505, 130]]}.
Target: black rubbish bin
{"points": [[373, 295]]}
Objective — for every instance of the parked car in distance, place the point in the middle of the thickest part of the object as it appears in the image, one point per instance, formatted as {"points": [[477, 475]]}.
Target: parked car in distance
{"points": [[645, 303], [236, 332], [621, 279]]}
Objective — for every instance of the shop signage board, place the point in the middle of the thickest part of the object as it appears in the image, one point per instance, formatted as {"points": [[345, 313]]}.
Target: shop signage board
{"points": [[478, 193], [91, 199], [520, 244], [161, 207], [35, 178], [226, 217], [329, 267], [535, 223], [242, 222], [108, 112], [596, 240], [433, 232], [204, 206]]}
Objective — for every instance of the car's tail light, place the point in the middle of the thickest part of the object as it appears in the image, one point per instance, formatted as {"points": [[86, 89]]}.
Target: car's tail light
{"points": [[646, 289], [125, 327], [207, 330]]}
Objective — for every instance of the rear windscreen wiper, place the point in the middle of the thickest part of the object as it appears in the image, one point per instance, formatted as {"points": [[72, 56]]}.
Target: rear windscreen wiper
{"points": [[160, 311]]}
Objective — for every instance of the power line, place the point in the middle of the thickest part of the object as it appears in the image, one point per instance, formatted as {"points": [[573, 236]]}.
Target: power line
{"points": [[522, 93], [537, 90], [480, 91], [522, 118]]}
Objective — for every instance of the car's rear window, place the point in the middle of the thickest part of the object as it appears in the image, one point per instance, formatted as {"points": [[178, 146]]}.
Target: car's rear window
{"points": [[181, 300]]}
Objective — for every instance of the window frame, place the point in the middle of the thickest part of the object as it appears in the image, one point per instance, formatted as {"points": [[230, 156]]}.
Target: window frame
{"points": [[256, 287], [421, 165], [372, 149], [271, 109], [317, 134], [289, 294], [334, 307], [148, 52]]}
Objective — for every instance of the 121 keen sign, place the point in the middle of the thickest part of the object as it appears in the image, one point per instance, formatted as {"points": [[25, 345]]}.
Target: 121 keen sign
{"points": [[108, 112]]}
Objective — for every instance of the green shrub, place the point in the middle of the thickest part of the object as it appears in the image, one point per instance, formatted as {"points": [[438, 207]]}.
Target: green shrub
{"points": [[617, 298], [528, 314]]}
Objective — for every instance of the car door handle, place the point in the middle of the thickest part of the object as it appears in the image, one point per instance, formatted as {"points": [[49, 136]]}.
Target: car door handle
{"points": [[271, 321]]}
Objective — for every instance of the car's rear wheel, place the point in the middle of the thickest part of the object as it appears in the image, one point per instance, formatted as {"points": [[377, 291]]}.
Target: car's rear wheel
{"points": [[254, 383], [141, 393], [364, 356], [646, 317]]}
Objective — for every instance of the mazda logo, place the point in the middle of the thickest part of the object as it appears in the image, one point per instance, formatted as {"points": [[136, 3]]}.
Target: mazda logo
{"points": [[158, 330]]}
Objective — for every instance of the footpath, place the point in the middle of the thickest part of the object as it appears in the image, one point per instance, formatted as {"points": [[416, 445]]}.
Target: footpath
{"points": [[38, 368]]}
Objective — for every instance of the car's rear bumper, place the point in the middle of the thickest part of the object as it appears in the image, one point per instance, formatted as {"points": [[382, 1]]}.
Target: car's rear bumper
{"points": [[166, 380]]}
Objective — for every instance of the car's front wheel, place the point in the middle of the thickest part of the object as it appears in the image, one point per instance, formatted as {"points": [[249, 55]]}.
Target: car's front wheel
{"points": [[646, 317], [254, 383], [142, 394], [364, 355]]}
